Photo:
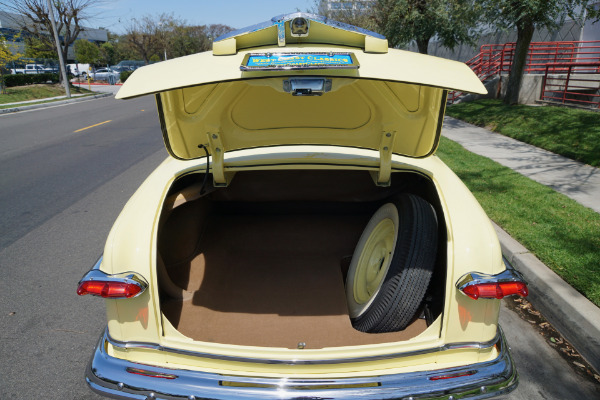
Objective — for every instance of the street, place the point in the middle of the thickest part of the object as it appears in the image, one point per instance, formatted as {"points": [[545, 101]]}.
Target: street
{"points": [[67, 171]]}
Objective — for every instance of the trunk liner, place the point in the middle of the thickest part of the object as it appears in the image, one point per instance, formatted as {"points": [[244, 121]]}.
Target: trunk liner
{"points": [[274, 281]]}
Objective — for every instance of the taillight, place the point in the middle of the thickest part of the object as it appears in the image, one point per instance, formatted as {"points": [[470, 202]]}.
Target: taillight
{"points": [[496, 290], [111, 286], [109, 289], [484, 286]]}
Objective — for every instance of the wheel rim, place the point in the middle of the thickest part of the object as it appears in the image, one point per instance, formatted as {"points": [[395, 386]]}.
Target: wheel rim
{"points": [[374, 262]]}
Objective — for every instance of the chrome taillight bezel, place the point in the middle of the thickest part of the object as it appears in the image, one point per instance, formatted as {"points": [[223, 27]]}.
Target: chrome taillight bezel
{"points": [[478, 278], [128, 278]]}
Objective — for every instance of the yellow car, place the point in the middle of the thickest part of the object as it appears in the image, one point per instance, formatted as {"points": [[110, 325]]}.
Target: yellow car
{"points": [[303, 241]]}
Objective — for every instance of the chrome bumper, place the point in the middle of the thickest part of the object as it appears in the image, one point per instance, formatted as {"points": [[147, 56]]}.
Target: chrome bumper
{"points": [[117, 378]]}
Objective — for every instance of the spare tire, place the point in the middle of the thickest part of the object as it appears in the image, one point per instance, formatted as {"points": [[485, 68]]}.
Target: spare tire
{"points": [[392, 265]]}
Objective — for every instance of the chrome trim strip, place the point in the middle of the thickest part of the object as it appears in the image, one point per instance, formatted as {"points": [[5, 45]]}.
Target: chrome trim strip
{"points": [[95, 274], [445, 347], [288, 17], [108, 376]]}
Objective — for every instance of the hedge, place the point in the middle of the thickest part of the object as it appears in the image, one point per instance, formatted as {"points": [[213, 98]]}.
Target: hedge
{"points": [[29, 79], [124, 75]]}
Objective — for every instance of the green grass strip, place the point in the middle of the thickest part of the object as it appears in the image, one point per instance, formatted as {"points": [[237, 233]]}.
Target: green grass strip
{"points": [[563, 234], [36, 92], [2, 107], [573, 133]]}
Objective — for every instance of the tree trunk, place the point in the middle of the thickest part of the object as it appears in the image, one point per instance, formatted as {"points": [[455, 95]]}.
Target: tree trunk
{"points": [[524, 34], [423, 45]]}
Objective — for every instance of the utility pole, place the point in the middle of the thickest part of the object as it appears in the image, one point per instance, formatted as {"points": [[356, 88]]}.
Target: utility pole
{"points": [[61, 62]]}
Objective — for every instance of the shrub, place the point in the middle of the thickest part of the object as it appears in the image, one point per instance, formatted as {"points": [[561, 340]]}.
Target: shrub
{"points": [[15, 80], [124, 75], [29, 79]]}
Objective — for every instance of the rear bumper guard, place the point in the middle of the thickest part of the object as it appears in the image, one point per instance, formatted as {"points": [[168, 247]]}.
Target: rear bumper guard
{"points": [[121, 379]]}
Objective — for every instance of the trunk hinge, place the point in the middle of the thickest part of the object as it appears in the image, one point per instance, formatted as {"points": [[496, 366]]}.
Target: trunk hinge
{"points": [[384, 174], [220, 177]]}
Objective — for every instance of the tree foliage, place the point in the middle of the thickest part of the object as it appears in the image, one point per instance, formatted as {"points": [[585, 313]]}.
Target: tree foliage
{"points": [[357, 12], [453, 22], [33, 17], [108, 54], [35, 48], [116, 49], [527, 16], [154, 37], [147, 35], [8, 55], [86, 52]]}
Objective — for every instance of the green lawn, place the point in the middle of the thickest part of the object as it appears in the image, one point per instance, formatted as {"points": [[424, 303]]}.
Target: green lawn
{"points": [[573, 133], [563, 234], [35, 92]]}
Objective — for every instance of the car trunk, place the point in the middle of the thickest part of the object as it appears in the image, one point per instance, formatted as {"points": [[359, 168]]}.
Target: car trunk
{"points": [[262, 262]]}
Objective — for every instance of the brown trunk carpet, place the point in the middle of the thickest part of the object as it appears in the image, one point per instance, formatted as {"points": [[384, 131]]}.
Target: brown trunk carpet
{"points": [[272, 280]]}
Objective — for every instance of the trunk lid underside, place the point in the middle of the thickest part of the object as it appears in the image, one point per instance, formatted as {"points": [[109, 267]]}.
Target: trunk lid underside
{"points": [[334, 84]]}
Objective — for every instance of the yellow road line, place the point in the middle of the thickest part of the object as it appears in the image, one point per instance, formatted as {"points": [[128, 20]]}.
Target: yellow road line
{"points": [[91, 126]]}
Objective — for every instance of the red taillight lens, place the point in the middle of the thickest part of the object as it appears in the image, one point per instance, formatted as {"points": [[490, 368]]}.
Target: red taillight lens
{"points": [[495, 290], [108, 289]]}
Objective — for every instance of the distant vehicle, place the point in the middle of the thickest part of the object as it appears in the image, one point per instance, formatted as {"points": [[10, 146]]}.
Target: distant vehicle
{"points": [[132, 65], [33, 69], [105, 74], [79, 70], [121, 68]]}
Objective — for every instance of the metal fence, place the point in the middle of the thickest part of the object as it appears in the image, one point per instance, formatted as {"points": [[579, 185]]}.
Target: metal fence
{"points": [[565, 62], [572, 83]]}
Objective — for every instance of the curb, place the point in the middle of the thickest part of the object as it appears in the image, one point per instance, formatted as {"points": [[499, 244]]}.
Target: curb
{"points": [[574, 316], [52, 103]]}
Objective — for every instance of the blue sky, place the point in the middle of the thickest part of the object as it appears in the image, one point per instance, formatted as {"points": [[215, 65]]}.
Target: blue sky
{"points": [[116, 14]]}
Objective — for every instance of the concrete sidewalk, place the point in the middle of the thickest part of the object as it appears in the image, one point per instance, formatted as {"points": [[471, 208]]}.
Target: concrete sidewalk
{"points": [[574, 179], [103, 88], [574, 316]]}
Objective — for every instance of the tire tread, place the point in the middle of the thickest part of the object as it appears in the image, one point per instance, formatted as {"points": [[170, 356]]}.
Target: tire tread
{"points": [[408, 277]]}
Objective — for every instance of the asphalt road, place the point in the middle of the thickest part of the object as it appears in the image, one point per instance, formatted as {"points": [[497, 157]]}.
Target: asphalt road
{"points": [[61, 190]]}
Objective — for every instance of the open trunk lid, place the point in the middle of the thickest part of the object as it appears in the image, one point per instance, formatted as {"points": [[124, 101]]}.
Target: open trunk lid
{"points": [[326, 84]]}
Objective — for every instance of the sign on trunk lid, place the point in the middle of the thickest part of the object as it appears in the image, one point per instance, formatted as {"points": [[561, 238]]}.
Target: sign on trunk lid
{"points": [[296, 61]]}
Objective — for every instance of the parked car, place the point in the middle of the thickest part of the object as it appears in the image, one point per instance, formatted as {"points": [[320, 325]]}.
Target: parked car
{"points": [[34, 69], [120, 69], [132, 65], [105, 74], [78, 70], [303, 240]]}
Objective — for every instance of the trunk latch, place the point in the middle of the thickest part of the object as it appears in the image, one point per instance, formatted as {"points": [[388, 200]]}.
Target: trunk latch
{"points": [[308, 86]]}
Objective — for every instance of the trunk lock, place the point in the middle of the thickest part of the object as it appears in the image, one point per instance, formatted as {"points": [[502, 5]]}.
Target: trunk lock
{"points": [[307, 86]]}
